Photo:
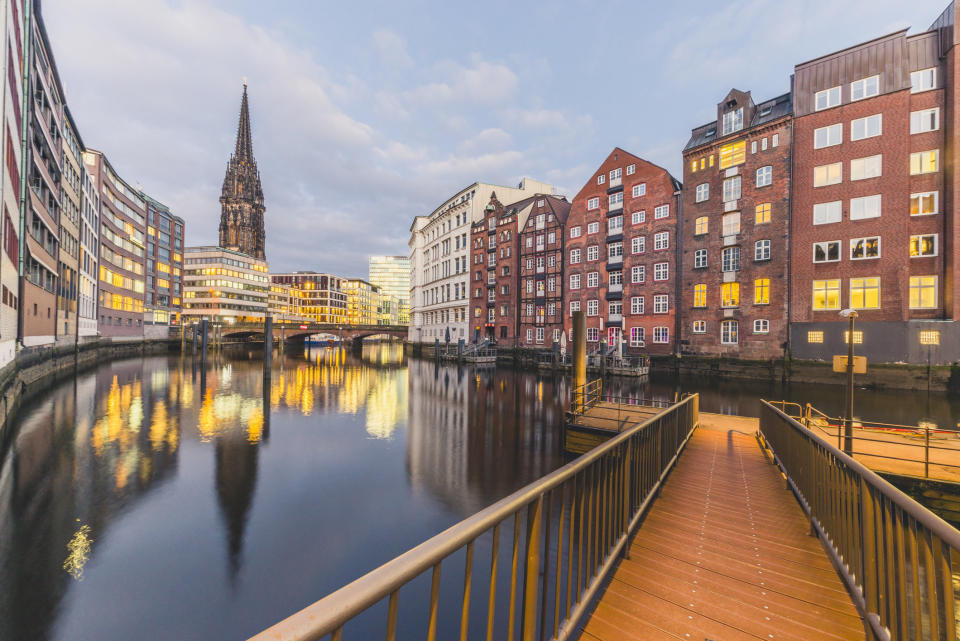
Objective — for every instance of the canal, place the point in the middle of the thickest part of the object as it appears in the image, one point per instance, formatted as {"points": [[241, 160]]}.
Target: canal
{"points": [[155, 498]]}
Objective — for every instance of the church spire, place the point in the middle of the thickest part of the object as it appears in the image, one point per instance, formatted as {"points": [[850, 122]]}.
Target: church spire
{"points": [[244, 150]]}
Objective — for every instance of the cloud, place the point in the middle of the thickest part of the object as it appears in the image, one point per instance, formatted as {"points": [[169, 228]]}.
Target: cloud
{"points": [[392, 48]]}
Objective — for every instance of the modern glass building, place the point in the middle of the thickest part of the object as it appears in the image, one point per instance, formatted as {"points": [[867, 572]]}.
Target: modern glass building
{"points": [[392, 275]]}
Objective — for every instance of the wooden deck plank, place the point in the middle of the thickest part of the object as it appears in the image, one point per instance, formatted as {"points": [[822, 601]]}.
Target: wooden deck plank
{"points": [[725, 553]]}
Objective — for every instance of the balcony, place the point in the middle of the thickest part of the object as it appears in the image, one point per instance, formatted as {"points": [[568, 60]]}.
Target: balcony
{"points": [[616, 184], [617, 210], [614, 236], [614, 260]]}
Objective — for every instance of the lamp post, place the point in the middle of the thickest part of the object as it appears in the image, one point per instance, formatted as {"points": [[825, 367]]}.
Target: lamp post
{"points": [[851, 315]]}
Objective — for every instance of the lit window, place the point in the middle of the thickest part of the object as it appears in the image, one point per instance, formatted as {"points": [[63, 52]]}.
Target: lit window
{"points": [[828, 174], [865, 293], [924, 120], [828, 136], [763, 213], [924, 162], [923, 80], [862, 248], [857, 337], [923, 245], [826, 252], [865, 207], [866, 127], [929, 337], [826, 294], [923, 204], [765, 176], [731, 223], [700, 259], [865, 88], [732, 121], [699, 327], [761, 291], [703, 192], [923, 292], [701, 225], [824, 213], [729, 294], [761, 250], [761, 326], [693, 165], [728, 332], [815, 336], [826, 98], [733, 154], [700, 295]]}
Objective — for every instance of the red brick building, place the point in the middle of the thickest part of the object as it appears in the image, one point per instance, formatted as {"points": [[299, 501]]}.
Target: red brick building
{"points": [[736, 221], [875, 187], [621, 255], [540, 284]]}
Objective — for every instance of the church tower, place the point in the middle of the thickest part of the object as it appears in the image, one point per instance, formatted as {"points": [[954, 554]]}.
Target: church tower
{"points": [[241, 201]]}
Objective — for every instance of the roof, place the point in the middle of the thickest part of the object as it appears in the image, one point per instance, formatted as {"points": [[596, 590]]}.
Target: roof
{"points": [[767, 111]]}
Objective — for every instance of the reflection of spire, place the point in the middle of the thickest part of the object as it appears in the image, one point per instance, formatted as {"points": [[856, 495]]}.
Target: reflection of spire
{"points": [[236, 477]]}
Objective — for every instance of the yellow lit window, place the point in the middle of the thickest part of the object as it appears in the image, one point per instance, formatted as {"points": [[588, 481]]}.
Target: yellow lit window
{"points": [[693, 165], [700, 295], [923, 162], [701, 225], [826, 294], [176, 301], [763, 213], [730, 294], [815, 336], [176, 271], [865, 293], [761, 291], [733, 154], [923, 292], [930, 337], [711, 160], [163, 267], [923, 245], [163, 282], [138, 286], [151, 231], [701, 163], [857, 337], [177, 258]]}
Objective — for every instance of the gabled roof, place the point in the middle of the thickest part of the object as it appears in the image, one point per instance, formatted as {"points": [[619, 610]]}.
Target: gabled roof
{"points": [[768, 111]]}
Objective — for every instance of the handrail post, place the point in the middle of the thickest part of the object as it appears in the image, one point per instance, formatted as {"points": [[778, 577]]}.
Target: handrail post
{"points": [[926, 451], [528, 621], [627, 504]]}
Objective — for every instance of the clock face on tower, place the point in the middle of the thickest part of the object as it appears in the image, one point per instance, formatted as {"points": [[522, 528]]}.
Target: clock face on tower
{"points": [[241, 199]]}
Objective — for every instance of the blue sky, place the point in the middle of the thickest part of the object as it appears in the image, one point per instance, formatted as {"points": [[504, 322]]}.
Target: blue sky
{"points": [[366, 114]]}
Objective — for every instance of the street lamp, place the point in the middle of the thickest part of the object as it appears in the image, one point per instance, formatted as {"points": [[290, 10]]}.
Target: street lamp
{"points": [[851, 315]]}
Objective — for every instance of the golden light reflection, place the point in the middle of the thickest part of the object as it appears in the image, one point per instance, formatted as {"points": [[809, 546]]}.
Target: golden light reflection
{"points": [[78, 552], [222, 413]]}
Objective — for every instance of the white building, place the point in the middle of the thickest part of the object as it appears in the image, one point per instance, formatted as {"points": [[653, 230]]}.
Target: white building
{"points": [[440, 259], [224, 285], [89, 251]]}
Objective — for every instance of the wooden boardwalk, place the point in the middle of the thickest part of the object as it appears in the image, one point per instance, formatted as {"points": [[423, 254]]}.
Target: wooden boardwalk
{"points": [[601, 422], [724, 555]]}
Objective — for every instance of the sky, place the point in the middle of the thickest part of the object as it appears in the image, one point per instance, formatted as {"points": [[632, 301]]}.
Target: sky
{"points": [[366, 114]]}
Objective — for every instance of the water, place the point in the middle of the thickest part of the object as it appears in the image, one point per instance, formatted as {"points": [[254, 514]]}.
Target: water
{"points": [[151, 499]]}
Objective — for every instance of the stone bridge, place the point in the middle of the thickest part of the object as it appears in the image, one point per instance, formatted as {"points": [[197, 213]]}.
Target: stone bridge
{"points": [[292, 332]]}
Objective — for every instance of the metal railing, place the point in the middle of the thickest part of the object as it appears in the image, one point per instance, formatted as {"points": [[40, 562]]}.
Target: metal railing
{"points": [[900, 561], [568, 529], [585, 396]]}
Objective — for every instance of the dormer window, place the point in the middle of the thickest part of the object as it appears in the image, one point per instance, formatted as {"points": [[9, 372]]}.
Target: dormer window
{"points": [[733, 121]]}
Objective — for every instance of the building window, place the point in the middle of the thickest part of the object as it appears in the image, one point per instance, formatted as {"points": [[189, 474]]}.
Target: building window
{"points": [[866, 127], [765, 176], [601, 179], [699, 327], [923, 245], [753, 147], [574, 306], [831, 174], [828, 136], [638, 217], [639, 190], [700, 259], [730, 224], [775, 140], [636, 337], [857, 337], [593, 279], [663, 211], [700, 295], [638, 244], [661, 271], [661, 334], [730, 294], [615, 174], [761, 291], [924, 120], [731, 189], [636, 305], [661, 240], [593, 228], [929, 337], [730, 259], [631, 169], [614, 225], [574, 281], [923, 292], [864, 248], [593, 203], [732, 121], [661, 304], [615, 200], [826, 252], [865, 293], [703, 192], [761, 250], [761, 326], [614, 250], [815, 336], [593, 307], [826, 294], [923, 80], [762, 214], [824, 213], [637, 274], [865, 88], [864, 168], [700, 226], [593, 334], [826, 98], [733, 154], [574, 256], [865, 207], [924, 162], [923, 204], [728, 332], [574, 232]]}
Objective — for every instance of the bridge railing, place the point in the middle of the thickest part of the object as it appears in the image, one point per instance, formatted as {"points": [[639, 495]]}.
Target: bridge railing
{"points": [[568, 529], [900, 561]]}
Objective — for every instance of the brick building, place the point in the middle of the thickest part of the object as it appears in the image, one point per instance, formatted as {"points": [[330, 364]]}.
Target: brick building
{"points": [[621, 255], [875, 182], [736, 221], [540, 275]]}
